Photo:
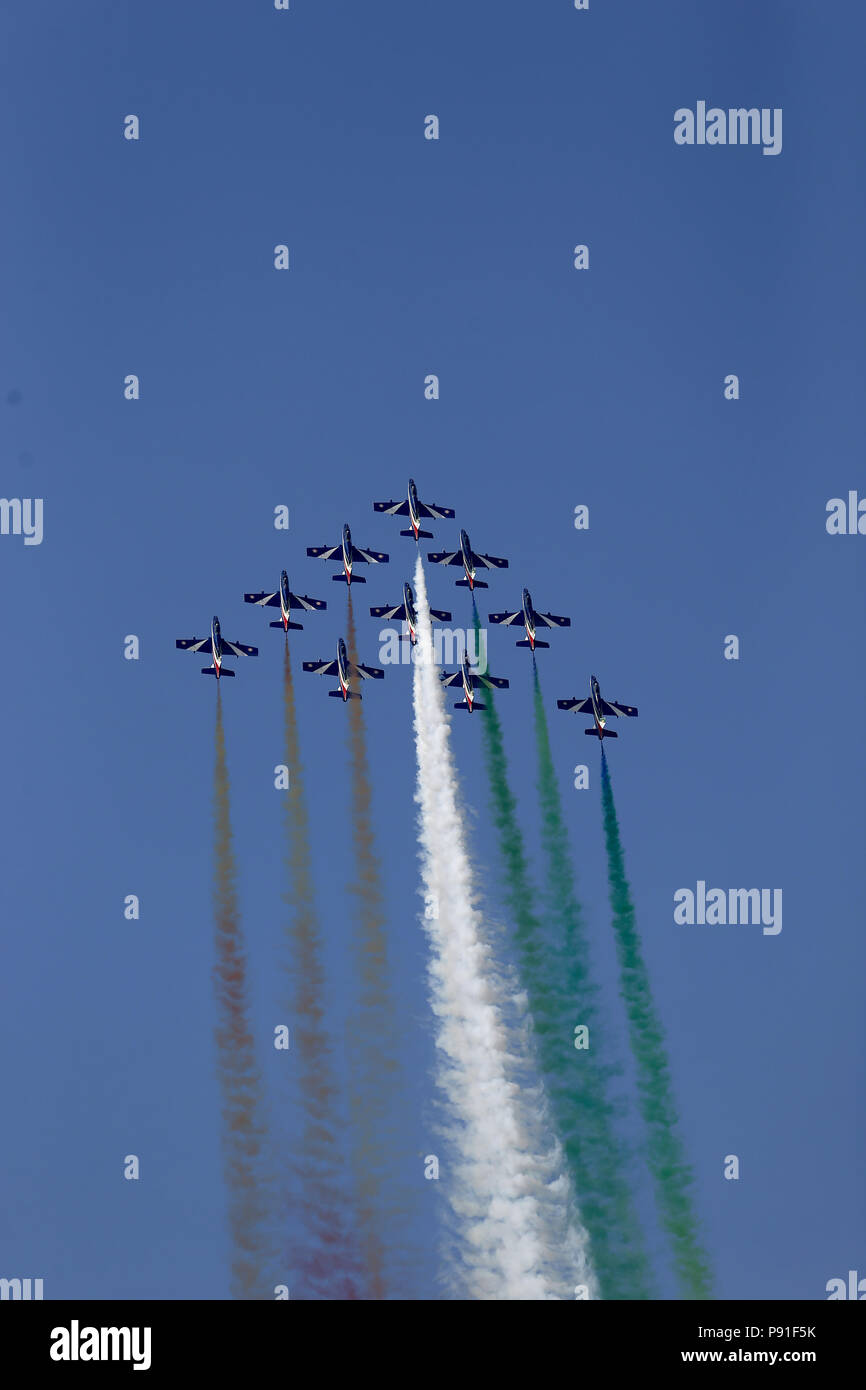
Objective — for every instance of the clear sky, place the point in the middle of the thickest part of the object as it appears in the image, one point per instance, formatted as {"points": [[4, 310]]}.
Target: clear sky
{"points": [[602, 387]]}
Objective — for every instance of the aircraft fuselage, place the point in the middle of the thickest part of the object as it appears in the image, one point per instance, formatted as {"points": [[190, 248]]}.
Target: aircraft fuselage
{"points": [[595, 696], [285, 602], [347, 553], [411, 615], [468, 559], [215, 645], [466, 675], [529, 618], [414, 519], [343, 669]]}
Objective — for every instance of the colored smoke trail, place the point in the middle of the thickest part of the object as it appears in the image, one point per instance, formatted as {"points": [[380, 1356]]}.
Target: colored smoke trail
{"points": [[562, 995], [325, 1263], [237, 1071], [508, 1189], [372, 1041], [554, 971], [665, 1153]]}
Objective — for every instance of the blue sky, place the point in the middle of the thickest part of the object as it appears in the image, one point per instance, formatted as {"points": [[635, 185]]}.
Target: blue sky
{"points": [[305, 388]]}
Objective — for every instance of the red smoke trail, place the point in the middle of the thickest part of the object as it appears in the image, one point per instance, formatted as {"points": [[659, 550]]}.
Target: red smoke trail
{"points": [[372, 1048], [238, 1074], [326, 1264]]}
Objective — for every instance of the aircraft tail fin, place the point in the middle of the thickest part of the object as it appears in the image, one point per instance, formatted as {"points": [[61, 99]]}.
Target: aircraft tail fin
{"points": [[338, 694], [341, 579], [525, 642], [464, 584], [294, 627], [605, 733], [464, 704], [211, 671], [422, 535]]}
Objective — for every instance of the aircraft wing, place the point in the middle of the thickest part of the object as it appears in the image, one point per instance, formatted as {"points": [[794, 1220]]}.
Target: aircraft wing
{"points": [[455, 678], [608, 707], [324, 552], [385, 612], [392, 508], [491, 562], [505, 619], [440, 615], [445, 557], [368, 672], [437, 513], [263, 600], [321, 668], [577, 706], [192, 644], [490, 682], [551, 620], [369, 557], [238, 648], [302, 601]]}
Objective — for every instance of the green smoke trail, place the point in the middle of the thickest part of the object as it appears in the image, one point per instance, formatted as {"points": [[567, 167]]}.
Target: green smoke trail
{"points": [[577, 1080], [665, 1153], [559, 998]]}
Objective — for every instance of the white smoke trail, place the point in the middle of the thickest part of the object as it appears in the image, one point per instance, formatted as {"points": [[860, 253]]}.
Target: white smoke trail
{"points": [[510, 1193]]}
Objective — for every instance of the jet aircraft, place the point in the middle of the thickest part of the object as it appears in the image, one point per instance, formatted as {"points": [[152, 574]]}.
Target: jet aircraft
{"points": [[344, 669], [600, 710], [285, 600], [350, 555], [470, 560], [405, 611], [531, 620], [416, 510], [219, 648], [471, 681]]}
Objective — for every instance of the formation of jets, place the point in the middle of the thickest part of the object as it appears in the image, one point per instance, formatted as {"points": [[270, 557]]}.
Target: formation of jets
{"points": [[345, 669]]}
